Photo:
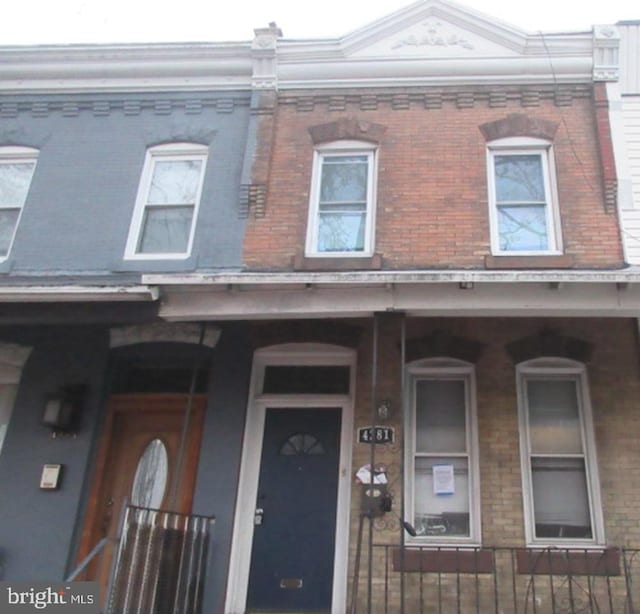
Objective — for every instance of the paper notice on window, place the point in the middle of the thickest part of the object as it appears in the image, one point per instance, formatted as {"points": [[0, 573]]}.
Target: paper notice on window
{"points": [[443, 480]]}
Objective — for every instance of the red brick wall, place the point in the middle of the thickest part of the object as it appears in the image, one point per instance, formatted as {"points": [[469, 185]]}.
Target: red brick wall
{"points": [[432, 208]]}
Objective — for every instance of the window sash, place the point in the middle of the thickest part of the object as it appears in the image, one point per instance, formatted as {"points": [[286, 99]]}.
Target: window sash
{"points": [[172, 218], [560, 495], [13, 197], [341, 231], [442, 515], [563, 461], [171, 228], [159, 183], [524, 222], [439, 517], [522, 228], [341, 218]]}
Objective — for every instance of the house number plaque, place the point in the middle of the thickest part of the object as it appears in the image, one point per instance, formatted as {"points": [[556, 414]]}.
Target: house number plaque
{"points": [[377, 434]]}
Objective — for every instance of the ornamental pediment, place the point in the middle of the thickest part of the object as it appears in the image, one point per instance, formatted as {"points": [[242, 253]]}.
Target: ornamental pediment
{"points": [[438, 29], [433, 37]]}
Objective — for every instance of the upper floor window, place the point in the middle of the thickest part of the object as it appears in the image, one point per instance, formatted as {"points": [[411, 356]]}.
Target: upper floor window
{"points": [[16, 170], [341, 213], [523, 201], [557, 449], [166, 209], [442, 452]]}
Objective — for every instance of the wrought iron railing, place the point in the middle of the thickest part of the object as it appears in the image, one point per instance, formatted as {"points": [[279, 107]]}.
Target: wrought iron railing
{"points": [[427, 580], [160, 563]]}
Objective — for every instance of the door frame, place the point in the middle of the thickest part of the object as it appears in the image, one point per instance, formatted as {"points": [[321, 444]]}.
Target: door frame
{"points": [[294, 354]]}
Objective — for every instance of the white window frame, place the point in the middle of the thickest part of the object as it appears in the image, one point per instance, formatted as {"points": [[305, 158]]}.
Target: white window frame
{"points": [[566, 370], [164, 153], [439, 369], [12, 155], [526, 146], [343, 148]]}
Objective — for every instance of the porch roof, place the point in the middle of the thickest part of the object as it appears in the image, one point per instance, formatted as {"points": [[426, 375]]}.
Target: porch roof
{"points": [[432, 293]]}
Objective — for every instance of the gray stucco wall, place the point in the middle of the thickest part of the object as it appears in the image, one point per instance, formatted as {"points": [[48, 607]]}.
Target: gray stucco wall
{"points": [[219, 466], [91, 154], [37, 527], [39, 530]]}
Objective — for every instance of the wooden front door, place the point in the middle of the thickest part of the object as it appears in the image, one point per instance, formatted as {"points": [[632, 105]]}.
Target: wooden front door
{"points": [[138, 463]]}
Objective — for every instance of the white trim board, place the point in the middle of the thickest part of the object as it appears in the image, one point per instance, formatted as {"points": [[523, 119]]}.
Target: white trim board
{"points": [[69, 294], [626, 275], [421, 300]]}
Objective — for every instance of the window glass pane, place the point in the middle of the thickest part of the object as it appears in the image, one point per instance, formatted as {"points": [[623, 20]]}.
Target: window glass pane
{"points": [[302, 444], [150, 481], [15, 178], [561, 504], [440, 416], [175, 182], [310, 380], [519, 178], [8, 221], [142, 379], [344, 179], [554, 419], [523, 227], [441, 514], [165, 230], [341, 232]]}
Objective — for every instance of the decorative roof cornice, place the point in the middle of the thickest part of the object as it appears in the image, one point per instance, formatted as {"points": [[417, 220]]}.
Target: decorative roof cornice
{"points": [[125, 67], [436, 42], [429, 43]]}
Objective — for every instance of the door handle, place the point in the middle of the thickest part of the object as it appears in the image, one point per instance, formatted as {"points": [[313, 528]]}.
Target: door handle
{"points": [[258, 516]]}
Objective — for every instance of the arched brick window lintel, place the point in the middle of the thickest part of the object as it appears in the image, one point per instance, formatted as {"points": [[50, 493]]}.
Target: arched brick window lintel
{"points": [[347, 128], [519, 124], [443, 343], [549, 343]]}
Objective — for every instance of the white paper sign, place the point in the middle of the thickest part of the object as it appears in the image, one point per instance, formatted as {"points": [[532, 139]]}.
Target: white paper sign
{"points": [[443, 480], [364, 475]]}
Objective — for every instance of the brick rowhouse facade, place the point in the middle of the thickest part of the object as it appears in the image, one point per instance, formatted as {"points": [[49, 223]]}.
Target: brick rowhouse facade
{"points": [[432, 214], [432, 208]]}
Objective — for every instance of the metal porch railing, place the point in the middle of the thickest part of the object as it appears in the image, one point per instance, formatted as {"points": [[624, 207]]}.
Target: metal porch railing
{"points": [[159, 565], [502, 581]]}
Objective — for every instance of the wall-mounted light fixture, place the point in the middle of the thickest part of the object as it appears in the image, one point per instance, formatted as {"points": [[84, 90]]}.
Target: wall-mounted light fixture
{"points": [[63, 409]]}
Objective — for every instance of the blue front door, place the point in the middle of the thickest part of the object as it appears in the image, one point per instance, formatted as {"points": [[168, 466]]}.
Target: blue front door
{"points": [[294, 536]]}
